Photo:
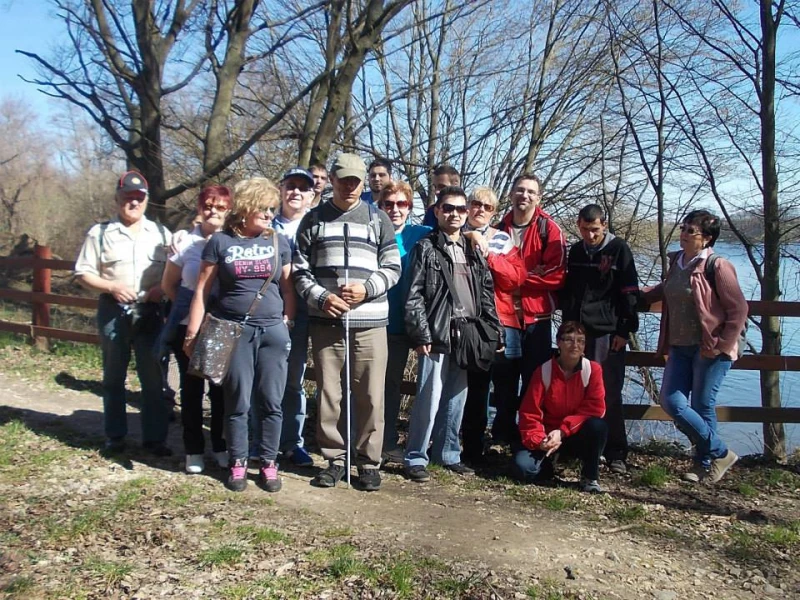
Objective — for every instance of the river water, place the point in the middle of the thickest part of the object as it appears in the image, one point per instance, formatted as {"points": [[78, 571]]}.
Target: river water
{"points": [[740, 388]]}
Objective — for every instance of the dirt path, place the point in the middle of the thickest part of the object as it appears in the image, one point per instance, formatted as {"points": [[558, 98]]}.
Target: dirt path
{"points": [[470, 522]]}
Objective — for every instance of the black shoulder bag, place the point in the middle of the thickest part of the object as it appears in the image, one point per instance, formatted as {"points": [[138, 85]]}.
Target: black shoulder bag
{"points": [[473, 341]]}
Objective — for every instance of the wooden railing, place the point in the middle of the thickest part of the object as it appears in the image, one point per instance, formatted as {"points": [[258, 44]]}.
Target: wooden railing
{"points": [[40, 298]]}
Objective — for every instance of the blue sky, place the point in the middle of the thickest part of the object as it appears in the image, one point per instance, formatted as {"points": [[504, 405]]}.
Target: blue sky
{"points": [[28, 25]]}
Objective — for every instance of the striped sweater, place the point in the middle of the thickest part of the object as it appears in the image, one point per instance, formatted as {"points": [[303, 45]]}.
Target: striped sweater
{"points": [[319, 261]]}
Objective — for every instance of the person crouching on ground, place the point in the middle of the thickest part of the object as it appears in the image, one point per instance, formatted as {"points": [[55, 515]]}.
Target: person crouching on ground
{"points": [[562, 411], [430, 309], [242, 257]]}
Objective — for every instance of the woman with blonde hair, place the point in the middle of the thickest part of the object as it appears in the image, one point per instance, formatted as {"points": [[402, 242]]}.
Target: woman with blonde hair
{"points": [[243, 256]]}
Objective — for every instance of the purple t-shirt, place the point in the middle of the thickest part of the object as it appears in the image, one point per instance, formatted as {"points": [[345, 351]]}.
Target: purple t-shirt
{"points": [[243, 265]]}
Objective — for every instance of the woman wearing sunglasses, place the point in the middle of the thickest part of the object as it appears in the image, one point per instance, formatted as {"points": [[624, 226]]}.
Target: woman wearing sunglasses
{"points": [[701, 323], [396, 200], [247, 254], [179, 282]]}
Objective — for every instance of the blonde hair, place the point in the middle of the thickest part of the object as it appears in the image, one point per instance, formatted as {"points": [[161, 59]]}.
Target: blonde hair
{"points": [[251, 196], [484, 195]]}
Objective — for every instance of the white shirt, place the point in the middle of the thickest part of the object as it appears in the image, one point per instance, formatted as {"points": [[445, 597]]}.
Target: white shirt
{"points": [[134, 259]]}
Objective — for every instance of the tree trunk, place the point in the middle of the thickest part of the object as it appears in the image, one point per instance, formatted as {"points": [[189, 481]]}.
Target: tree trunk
{"points": [[774, 437]]}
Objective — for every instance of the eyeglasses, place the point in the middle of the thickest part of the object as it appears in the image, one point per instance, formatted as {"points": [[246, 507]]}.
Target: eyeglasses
{"points": [[447, 208], [389, 205], [220, 208], [572, 341], [267, 209], [689, 230], [478, 204], [127, 199]]}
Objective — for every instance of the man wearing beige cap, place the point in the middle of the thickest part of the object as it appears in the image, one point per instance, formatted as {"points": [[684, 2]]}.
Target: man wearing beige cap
{"points": [[348, 232], [123, 260]]}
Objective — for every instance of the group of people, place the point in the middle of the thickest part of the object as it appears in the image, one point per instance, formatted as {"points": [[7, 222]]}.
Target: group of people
{"points": [[355, 273]]}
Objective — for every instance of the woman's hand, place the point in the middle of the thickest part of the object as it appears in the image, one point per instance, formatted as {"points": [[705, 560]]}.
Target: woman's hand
{"points": [[710, 354], [188, 343], [552, 442]]}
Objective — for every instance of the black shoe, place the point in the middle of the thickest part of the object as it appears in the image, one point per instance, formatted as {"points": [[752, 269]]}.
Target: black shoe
{"points": [[157, 449], [369, 478], [418, 473], [329, 476], [114, 446], [460, 468]]}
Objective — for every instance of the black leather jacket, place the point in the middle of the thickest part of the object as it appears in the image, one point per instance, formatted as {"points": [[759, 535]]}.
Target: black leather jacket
{"points": [[429, 305]]}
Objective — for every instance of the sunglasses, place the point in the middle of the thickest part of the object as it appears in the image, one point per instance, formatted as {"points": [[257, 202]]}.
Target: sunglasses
{"points": [[302, 188], [447, 208], [689, 230], [389, 205], [479, 204]]}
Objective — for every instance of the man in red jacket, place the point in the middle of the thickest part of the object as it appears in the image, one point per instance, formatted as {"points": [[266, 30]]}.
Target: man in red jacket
{"points": [[525, 305]]}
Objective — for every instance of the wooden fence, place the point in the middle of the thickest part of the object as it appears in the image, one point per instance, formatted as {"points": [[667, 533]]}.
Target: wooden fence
{"points": [[41, 298]]}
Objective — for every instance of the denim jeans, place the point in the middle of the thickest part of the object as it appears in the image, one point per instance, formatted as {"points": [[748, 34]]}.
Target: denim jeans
{"points": [[116, 339], [587, 445], [258, 374], [599, 350], [689, 373], [437, 411], [294, 398], [399, 346]]}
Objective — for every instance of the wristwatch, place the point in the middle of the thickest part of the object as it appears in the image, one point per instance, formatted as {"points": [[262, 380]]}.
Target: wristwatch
{"points": [[289, 323]]}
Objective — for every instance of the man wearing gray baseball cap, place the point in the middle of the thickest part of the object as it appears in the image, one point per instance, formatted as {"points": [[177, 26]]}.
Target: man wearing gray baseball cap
{"points": [[346, 260]]}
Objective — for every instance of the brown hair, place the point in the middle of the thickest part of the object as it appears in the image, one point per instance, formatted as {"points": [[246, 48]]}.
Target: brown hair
{"points": [[397, 187], [568, 327]]}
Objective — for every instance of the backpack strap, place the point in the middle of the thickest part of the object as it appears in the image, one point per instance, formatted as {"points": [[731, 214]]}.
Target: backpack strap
{"points": [[541, 224], [710, 273], [547, 373], [101, 239]]}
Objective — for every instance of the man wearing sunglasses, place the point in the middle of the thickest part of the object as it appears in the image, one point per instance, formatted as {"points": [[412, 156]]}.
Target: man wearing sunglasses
{"points": [[430, 308]]}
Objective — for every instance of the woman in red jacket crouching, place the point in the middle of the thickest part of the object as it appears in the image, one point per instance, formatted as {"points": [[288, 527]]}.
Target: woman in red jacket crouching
{"points": [[563, 411]]}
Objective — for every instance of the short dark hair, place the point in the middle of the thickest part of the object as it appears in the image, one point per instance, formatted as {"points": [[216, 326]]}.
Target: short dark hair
{"points": [[318, 167], [708, 223], [591, 212], [527, 175], [568, 327], [451, 190], [445, 169], [381, 162]]}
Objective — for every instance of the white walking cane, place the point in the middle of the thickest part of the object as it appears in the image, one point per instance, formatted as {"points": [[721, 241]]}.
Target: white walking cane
{"points": [[346, 233]]}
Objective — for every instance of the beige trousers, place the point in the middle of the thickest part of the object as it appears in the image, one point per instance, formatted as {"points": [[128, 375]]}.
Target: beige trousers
{"points": [[368, 354]]}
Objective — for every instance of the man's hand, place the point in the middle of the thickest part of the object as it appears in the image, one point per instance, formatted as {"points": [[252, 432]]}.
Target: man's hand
{"points": [[335, 306], [176, 241], [154, 294], [552, 442], [353, 293], [618, 343], [423, 350], [479, 243], [122, 293]]}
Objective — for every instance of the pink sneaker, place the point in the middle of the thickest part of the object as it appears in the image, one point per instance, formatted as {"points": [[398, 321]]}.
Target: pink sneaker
{"points": [[268, 477], [237, 482]]}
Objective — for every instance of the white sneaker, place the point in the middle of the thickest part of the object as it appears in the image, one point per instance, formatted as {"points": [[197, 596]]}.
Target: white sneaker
{"points": [[720, 466], [222, 459], [194, 463]]}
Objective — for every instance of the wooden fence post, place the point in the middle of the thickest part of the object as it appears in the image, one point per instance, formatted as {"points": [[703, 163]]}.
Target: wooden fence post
{"points": [[41, 283]]}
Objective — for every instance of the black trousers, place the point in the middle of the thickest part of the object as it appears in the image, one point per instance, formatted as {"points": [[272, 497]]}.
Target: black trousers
{"points": [[192, 391], [476, 417], [537, 348]]}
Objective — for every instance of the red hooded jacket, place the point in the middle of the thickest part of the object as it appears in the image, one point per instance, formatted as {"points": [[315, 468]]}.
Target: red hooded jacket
{"points": [[536, 275], [566, 405]]}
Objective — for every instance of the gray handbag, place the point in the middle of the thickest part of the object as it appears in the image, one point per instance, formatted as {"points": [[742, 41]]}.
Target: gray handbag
{"points": [[217, 338]]}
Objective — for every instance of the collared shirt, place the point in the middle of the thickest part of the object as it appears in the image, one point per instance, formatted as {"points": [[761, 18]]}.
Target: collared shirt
{"points": [[115, 253], [462, 280]]}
